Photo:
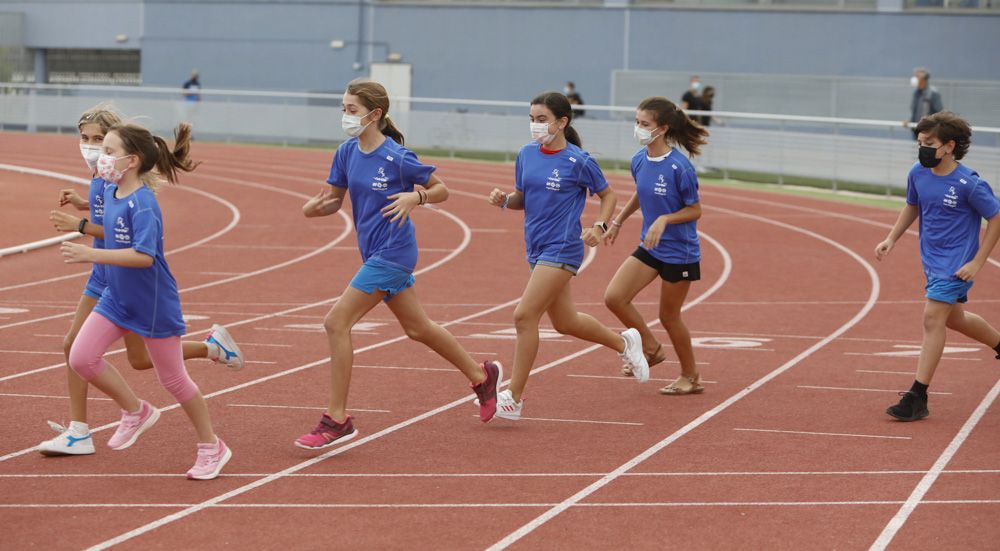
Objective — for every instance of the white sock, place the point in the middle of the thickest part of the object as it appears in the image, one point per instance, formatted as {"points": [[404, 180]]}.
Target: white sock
{"points": [[214, 352], [78, 428]]}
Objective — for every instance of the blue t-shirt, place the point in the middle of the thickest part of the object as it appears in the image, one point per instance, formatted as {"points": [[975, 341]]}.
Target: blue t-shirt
{"points": [[665, 187], [555, 190], [951, 211], [95, 196], [142, 300], [371, 178]]}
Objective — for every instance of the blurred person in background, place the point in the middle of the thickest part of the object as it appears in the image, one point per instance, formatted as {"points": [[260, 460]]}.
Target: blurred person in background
{"points": [[926, 99]]}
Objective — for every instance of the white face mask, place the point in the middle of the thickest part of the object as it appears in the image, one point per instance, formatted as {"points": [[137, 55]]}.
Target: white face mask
{"points": [[352, 125], [644, 136], [914, 82], [106, 168], [696, 86], [90, 154], [540, 133]]}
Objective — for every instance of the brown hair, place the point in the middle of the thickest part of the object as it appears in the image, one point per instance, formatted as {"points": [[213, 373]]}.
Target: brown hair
{"points": [[154, 153], [101, 115], [560, 107], [374, 96], [947, 126], [681, 129]]}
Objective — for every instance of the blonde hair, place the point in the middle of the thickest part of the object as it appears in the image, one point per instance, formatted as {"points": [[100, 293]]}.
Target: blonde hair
{"points": [[102, 115]]}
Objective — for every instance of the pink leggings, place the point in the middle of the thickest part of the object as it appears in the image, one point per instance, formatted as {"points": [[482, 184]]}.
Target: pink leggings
{"points": [[87, 356]]}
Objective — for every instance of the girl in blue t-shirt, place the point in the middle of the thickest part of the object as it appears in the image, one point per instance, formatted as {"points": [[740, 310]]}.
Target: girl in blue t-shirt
{"points": [[666, 189], [75, 439], [552, 178], [386, 182], [951, 201], [141, 294]]}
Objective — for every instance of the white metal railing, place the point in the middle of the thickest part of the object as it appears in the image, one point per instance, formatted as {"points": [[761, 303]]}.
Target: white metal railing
{"points": [[838, 150]]}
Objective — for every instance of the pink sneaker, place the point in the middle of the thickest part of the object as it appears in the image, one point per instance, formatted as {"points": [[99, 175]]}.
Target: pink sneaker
{"points": [[132, 425], [211, 459], [487, 390], [327, 433]]}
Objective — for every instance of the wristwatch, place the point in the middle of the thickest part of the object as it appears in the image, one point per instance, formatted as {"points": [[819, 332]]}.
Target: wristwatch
{"points": [[83, 222], [601, 224]]}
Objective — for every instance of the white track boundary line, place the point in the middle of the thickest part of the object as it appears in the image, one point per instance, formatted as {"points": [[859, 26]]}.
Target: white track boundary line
{"points": [[928, 480], [313, 408], [229, 227], [827, 434], [705, 417], [852, 389], [727, 269]]}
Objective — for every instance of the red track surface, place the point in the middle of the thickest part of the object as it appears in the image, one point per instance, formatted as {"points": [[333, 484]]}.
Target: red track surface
{"points": [[789, 448]]}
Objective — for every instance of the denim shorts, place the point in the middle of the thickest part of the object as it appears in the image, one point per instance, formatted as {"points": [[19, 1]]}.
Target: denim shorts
{"points": [[561, 265]]}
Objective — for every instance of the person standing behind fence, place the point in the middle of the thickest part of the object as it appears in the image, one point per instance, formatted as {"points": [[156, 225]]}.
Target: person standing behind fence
{"points": [[574, 98], [926, 99], [192, 88], [692, 97], [707, 98]]}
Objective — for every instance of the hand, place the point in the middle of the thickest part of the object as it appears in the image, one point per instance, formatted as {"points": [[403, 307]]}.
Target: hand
{"points": [[497, 197], [655, 232], [401, 207], [322, 204], [612, 235], [592, 236], [883, 249], [64, 222], [74, 253], [969, 270], [71, 197]]}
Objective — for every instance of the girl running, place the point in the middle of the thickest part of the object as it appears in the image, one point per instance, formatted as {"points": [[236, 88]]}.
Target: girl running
{"points": [[218, 347], [386, 182], [552, 177], [141, 294], [951, 200], [666, 189]]}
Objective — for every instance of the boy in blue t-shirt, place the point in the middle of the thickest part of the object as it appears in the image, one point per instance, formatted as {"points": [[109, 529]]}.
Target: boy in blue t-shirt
{"points": [[951, 200]]}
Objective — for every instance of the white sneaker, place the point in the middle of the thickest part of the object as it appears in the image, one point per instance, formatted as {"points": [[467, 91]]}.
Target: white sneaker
{"points": [[229, 351], [507, 408], [633, 355], [67, 443]]}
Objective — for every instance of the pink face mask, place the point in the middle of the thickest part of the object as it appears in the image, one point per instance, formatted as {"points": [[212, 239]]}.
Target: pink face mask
{"points": [[106, 168]]}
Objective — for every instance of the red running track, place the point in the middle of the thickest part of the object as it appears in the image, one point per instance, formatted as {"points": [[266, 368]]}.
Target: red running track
{"points": [[804, 342]]}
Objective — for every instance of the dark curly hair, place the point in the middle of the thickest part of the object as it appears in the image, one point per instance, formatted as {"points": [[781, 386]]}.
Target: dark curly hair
{"points": [[947, 126]]}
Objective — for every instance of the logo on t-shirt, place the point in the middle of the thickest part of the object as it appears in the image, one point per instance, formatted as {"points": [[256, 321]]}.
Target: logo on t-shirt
{"points": [[380, 182], [98, 206], [950, 198], [660, 187], [121, 232], [553, 181]]}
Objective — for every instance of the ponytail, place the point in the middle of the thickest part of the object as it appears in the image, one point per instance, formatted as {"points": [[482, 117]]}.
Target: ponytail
{"points": [[682, 130], [156, 159], [388, 129], [560, 107]]}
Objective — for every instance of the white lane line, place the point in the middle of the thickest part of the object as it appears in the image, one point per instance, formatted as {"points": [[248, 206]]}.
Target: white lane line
{"points": [[273, 345], [676, 474], [467, 238], [313, 408], [882, 355], [260, 362], [895, 390], [907, 373], [30, 352], [405, 368], [586, 421], [827, 434], [7, 394], [624, 378], [705, 417], [598, 505], [727, 269], [928, 480], [232, 224]]}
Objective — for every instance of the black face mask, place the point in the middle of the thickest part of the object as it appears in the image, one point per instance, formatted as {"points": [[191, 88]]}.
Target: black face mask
{"points": [[927, 156]]}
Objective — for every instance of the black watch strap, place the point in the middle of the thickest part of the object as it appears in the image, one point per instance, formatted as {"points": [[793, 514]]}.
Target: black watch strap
{"points": [[83, 222]]}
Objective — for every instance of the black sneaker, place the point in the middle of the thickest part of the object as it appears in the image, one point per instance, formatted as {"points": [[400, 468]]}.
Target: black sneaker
{"points": [[911, 407]]}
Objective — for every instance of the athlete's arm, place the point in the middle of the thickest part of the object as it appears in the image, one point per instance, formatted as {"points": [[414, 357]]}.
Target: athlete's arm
{"points": [[127, 258]]}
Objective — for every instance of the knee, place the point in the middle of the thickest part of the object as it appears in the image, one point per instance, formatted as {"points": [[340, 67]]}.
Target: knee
{"points": [[87, 366], [670, 318], [934, 322], [614, 301], [335, 326], [179, 385], [419, 332], [68, 344], [525, 321]]}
